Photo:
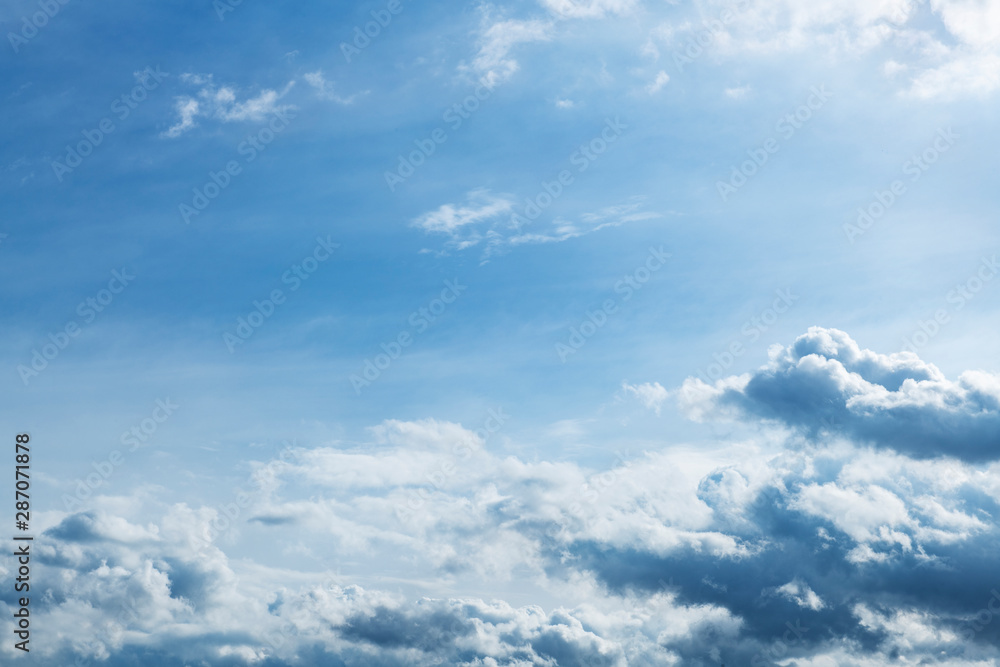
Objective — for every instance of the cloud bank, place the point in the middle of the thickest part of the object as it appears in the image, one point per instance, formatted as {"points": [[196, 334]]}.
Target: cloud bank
{"points": [[839, 552]]}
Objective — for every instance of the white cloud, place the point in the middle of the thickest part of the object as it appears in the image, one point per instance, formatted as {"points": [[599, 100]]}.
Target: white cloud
{"points": [[563, 230], [651, 394], [588, 8], [187, 109], [324, 89], [737, 93], [662, 78], [493, 61], [488, 219], [801, 595], [660, 557], [954, 50], [976, 74], [480, 206], [221, 103], [825, 383]]}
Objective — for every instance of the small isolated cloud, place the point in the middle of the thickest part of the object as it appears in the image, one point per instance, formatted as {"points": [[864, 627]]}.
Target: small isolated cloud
{"points": [[825, 383], [737, 93], [221, 103], [565, 104], [324, 88], [456, 219], [662, 78], [801, 594], [651, 394]]}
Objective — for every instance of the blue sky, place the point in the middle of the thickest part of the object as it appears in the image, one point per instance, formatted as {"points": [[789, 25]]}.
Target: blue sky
{"points": [[747, 158]]}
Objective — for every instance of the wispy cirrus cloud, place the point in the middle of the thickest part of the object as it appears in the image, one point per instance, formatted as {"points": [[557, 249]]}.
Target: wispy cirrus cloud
{"points": [[488, 219], [325, 89]]}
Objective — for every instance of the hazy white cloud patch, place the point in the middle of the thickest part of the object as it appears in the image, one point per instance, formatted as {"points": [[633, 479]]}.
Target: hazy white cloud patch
{"points": [[651, 394], [325, 89], [223, 104], [496, 222]]}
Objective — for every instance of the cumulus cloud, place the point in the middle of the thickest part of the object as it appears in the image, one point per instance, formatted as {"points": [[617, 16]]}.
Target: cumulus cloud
{"points": [[824, 383], [801, 595]]}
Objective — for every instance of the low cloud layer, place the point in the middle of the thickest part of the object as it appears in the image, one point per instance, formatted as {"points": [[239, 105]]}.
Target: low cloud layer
{"points": [[747, 554]]}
